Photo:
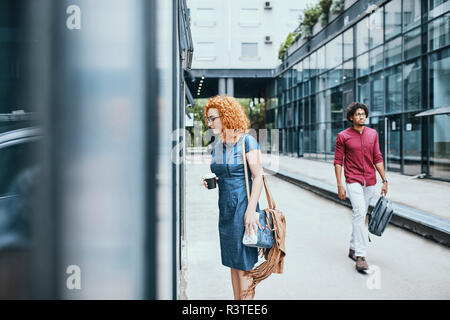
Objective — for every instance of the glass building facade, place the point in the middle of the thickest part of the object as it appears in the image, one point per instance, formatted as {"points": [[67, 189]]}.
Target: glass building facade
{"points": [[395, 59]]}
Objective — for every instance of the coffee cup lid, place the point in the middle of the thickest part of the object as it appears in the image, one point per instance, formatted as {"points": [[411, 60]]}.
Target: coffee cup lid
{"points": [[210, 175]]}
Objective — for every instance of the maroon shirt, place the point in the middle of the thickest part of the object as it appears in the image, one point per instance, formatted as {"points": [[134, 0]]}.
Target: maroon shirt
{"points": [[358, 153]]}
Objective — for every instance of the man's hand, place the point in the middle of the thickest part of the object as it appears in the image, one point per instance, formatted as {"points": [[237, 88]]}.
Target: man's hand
{"points": [[384, 188], [341, 193]]}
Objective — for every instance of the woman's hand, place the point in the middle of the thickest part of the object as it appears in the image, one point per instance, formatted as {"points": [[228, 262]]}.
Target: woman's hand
{"points": [[341, 193], [206, 183], [251, 221]]}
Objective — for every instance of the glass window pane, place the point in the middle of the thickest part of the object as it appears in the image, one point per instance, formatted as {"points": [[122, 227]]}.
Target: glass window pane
{"points": [[412, 42], [306, 69], [377, 94], [376, 59], [347, 71], [335, 76], [348, 96], [393, 51], [439, 32], [362, 63], [334, 52], [348, 44], [438, 7], [313, 109], [362, 36], [336, 103], [363, 91], [411, 13], [321, 59], [440, 79], [376, 28], [394, 89], [439, 142], [323, 81], [412, 85], [412, 145], [313, 64], [393, 18]]}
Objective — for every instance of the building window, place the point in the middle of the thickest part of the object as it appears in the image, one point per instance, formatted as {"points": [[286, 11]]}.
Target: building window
{"points": [[376, 94], [376, 28], [249, 17], [394, 78], [313, 64], [440, 147], [440, 78], [411, 13], [321, 61], [206, 17], [412, 84], [362, 64], [362, 36], [348, 44], [347, 70], [205, 51], [438, 7], [376, 59], [334, 52], [363, 91], [392, 18], [412, 44], [439, 32], [393, 51]]}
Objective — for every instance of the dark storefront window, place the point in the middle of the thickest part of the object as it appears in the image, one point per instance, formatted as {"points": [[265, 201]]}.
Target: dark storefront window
{"points": [[412, 145], [394, 89], [412, 84], [376, 94], [440, 79], [439, 145]]}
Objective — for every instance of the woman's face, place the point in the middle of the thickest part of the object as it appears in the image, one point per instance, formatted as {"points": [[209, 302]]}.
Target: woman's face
{"points": [[214, 121]]}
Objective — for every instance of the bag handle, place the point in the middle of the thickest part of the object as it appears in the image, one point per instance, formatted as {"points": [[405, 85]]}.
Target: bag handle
{"points": [[270, 199]]}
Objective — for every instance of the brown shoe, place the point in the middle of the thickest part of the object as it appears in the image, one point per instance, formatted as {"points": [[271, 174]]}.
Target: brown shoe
{"points": [[351, 254], [361, 264]]}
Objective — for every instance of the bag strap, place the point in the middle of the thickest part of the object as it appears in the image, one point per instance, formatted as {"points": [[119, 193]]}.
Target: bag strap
{"points": [[270, 199]]}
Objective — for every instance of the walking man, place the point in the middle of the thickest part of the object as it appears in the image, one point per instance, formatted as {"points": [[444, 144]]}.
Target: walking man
{"points": [[358, 151]]}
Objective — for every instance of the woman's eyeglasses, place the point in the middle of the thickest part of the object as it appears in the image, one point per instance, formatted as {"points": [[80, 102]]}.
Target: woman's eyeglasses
{"points": [[212, 119]]}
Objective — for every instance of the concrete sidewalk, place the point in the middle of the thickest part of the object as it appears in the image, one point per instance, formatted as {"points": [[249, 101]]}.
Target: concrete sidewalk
{"points": [[420, 205]]}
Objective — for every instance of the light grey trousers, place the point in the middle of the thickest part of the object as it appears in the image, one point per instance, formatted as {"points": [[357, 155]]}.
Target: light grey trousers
{"points": [[360, 198]]}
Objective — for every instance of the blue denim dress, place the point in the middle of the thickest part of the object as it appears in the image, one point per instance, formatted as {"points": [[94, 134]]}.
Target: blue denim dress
{"points": [[227, 165]]}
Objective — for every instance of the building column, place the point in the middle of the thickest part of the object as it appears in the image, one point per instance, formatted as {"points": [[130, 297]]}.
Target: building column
{"points": [[230, 87], [222, 84]]}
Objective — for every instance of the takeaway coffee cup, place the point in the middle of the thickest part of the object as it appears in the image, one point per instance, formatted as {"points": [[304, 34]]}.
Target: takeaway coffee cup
{"points": [[211, 180]]}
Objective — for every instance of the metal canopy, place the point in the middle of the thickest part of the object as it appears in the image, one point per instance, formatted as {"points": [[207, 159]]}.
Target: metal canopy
{"points": [[434, 112]]}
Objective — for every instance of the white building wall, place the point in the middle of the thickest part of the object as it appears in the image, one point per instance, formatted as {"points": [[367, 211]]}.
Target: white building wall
{"points": [[236, 22]]}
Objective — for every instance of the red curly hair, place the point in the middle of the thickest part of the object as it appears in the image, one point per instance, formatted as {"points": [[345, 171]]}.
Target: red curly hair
{"points": [[232, 114]]}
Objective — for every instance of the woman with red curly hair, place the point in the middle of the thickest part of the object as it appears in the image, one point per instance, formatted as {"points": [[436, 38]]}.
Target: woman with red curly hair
{"points": [[227, 118]]}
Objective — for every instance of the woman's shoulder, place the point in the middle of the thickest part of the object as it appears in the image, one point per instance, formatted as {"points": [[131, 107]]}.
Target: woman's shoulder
{"points": [[250, 142]]}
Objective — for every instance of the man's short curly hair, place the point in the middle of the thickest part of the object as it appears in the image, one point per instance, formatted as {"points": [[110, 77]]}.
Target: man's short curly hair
{"points": [[352, 107], [231, 113]]}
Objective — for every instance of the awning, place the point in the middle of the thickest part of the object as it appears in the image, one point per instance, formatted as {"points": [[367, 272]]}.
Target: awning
{"points": [[434, 112]]}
